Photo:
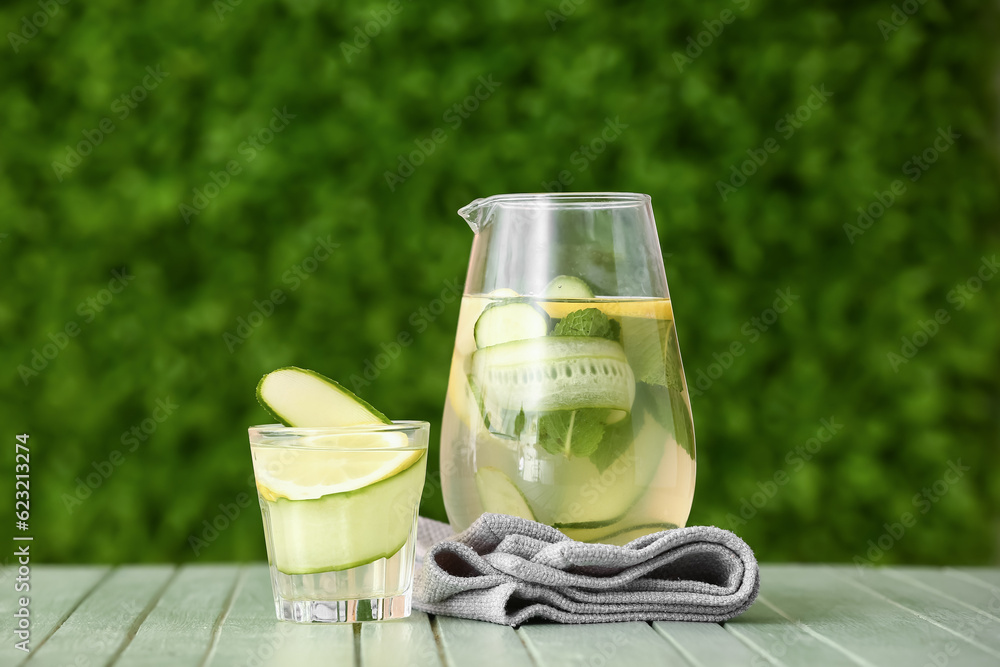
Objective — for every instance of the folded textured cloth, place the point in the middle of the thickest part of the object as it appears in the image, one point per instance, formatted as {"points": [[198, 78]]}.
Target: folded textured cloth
{"points": [[508, 570]]}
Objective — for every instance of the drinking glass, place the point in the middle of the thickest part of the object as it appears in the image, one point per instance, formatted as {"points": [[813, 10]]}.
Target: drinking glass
{"points": [[340, 512]]}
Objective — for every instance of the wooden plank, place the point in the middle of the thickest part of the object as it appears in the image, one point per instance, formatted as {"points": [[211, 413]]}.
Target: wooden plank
{"points": [[180, 629], [408, 642], [7, 572], [781, 640], [464, 642], [961, 606], [989, 575], [861, 623], [55, 591], [708, 645], [975, 592], [105, 621], [252, 635], [598, 645]]}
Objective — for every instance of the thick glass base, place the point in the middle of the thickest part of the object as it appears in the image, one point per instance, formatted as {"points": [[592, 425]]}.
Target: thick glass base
{"points": [[343, 611], [375, 591]]}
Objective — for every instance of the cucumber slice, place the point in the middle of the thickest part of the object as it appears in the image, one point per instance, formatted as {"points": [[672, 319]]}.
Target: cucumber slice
{"points": [[499, 495], [581, 496], [300, 397], [568, 287], [312, 471], [344, 530], [554, 373], [615, 416], [507, 321]]}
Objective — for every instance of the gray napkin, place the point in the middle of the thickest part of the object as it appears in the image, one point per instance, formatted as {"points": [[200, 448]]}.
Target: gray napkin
{"points": [[508, 570]]}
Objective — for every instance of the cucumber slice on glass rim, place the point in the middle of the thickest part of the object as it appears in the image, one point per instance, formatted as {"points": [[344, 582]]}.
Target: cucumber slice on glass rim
{"points": [[300, 397]]}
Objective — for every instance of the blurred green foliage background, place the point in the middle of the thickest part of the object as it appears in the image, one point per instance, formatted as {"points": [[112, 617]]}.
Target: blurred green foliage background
{"points": [[188, 87]]}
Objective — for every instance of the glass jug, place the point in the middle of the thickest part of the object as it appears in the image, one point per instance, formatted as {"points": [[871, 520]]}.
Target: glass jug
{"points": [[567, 402]]}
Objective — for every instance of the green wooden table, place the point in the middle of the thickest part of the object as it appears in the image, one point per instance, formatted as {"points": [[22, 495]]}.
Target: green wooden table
{"points": [[83, 616]]}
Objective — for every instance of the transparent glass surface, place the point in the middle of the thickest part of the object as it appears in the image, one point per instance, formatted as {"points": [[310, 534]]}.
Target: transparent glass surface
{"points": [[523, 241], [340, 510], [571, 407]]}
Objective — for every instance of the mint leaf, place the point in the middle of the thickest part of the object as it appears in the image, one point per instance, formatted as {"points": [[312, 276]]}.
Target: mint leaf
{"points": [[552, 428], [683, 426], [571, 432], [661, 404], [614, 331], [617, 438], [519, 423], [588, 322], [505, 423], [652, 351], [585, 322], [668, 408]]}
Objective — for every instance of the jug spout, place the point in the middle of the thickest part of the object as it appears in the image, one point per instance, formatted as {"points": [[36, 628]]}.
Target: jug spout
{"points": [[478, 213]]}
